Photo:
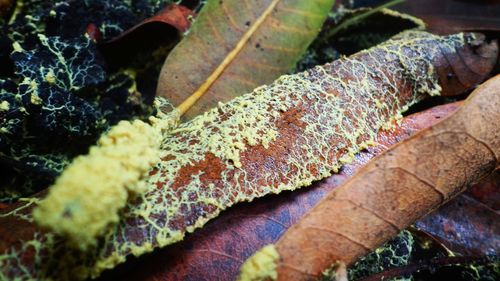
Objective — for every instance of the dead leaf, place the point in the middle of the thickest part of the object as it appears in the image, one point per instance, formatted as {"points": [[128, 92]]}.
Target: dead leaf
{"points": [[216, 251], [173, 15], [235, 46], [164, 28], [451, 16], [488, 192], [397, 188], [466, 225]]}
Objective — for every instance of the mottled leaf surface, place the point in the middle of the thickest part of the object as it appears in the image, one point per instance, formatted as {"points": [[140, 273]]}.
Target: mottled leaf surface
{"points": [[218, 249]]}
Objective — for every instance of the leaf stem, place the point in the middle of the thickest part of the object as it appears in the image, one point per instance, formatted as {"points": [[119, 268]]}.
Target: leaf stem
{"points": [[191, 100]]}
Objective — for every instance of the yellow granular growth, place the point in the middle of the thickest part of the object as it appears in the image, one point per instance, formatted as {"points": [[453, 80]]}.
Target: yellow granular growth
{"points": [[87, 196], [261, 266], [35, 99], [4, 105], [50, 77]]}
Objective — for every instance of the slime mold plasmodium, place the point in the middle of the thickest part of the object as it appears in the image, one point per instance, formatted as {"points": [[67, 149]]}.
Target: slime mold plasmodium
{"points": [[283, 136], [261, 265], [87, 196], [62, 93]]}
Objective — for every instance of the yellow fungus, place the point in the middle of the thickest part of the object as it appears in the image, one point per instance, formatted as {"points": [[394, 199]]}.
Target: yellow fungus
{"points": [[261, 265], [50, 77], [87, 196], [4, 105], [35, 99], [17, 47]]}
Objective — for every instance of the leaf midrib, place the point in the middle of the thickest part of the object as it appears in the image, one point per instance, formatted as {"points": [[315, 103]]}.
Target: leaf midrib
{"points": [[230, 57]]}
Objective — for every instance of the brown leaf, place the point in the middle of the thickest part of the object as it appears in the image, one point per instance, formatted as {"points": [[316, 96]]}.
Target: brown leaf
{"points": [[451, 16], [487, 192], [216, 251], [164, 28], [173, 15], [395, 189], [235, 46], [466, 225], [6, 7]]}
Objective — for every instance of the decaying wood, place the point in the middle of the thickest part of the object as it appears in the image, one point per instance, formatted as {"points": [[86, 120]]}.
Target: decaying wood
{"points": [[279, 137], [396, 188]]}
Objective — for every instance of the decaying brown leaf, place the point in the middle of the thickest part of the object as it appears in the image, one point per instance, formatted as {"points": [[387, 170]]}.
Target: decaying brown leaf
{"points": [[163, 29], [396, 188], [468, 224], [216, 251]]}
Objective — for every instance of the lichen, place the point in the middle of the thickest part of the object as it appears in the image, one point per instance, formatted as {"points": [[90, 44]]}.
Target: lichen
{"points": [[313, 122], [261, 265]]}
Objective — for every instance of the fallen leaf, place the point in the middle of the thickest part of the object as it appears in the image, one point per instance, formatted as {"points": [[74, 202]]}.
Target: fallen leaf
{"points": [[395, 189], [451, 16], [216, 251], [466, 225], [487, 192], [166, 27], [235, 46]]}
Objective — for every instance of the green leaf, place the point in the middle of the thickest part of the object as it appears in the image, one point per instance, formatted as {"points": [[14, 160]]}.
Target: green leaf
{"points": [[235, 46]]}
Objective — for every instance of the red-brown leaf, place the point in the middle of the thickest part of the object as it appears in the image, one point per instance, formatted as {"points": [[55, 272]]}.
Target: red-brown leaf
{"points": [[217, 251], [164, 28], [450, 16], [469, 224], [173, 15]]}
